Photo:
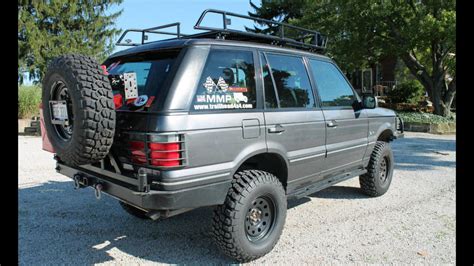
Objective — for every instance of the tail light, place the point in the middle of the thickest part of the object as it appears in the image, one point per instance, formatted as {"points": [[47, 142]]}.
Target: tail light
{"points": [[165, 150], [138, 153]]}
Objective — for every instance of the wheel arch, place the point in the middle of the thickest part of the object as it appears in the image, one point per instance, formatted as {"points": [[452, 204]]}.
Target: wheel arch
{"points": [[271, 162], [386, 135]]}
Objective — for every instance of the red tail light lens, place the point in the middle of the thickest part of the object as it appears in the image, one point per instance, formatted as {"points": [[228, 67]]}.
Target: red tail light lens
{"points": [[165, 163], [137, 149], [164, 146], [137, 145], [167, 152]]}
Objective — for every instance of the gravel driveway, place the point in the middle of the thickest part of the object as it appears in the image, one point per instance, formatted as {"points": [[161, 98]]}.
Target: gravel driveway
{"points": [[413, 223]]}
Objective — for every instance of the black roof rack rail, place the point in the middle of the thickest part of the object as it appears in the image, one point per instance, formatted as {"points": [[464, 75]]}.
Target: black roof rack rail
{"points": [[307, 40], [316, 41], [154, 30]]}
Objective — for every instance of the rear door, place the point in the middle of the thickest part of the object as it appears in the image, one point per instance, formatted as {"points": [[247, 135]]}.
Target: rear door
{"points": [[225, 116], [294, 125], [346, 127]]}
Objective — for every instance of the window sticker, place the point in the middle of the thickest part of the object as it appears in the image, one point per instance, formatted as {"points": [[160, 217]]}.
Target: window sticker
{"points": [[221, 96], [130, 82], [140, 101]]}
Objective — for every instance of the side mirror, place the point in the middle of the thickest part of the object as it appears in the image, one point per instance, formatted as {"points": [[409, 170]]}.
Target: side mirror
{"points": [[369, 101]]}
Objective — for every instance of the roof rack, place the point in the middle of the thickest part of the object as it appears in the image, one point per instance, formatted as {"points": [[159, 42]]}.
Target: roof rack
{"points": [[308, 39], [305, 39], [154, 30]]}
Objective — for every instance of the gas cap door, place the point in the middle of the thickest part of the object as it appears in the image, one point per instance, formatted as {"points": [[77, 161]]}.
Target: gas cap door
{"points": [[250, 128]]}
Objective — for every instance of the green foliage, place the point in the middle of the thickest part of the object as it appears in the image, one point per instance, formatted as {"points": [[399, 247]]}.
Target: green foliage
{"points": [[50, 28], [407, 92], [29, 99], [421, 33], [279, 10], [412, 117]]}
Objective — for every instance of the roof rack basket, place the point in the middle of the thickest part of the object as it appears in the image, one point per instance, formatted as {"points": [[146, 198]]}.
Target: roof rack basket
{"points": [[305, 39], [154, 30]]}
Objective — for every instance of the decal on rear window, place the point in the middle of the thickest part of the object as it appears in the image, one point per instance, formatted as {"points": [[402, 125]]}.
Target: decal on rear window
{"points": [[227, 82]]}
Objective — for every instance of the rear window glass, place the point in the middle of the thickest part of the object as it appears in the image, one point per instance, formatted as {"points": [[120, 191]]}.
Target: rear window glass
{"points": [[149, 73], [227, 82]]}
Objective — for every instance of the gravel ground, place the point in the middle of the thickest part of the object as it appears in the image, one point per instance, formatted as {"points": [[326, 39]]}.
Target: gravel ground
{"points": [[414, 222]]}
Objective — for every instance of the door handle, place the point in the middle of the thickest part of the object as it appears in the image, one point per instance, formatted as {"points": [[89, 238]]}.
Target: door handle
{"points": [[276, 129], [331, 123]]}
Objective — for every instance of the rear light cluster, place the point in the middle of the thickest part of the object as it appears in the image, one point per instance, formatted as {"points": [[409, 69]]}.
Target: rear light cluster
{"points": [[159, 150]]}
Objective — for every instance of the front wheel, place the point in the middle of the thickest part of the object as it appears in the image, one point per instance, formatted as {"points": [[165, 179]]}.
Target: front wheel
{"points": [[249, 223], [379, 171]]}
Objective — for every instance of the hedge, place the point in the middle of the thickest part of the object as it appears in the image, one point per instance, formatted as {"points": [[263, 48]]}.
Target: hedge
{"points": [[29, 99]]}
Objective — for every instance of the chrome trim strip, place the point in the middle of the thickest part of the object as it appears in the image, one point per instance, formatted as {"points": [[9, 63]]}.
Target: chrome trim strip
{"points": [[307, 157], [176, 183], [349, 148]]}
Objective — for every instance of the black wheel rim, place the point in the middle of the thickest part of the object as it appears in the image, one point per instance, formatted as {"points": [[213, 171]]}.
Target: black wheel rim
{"points": [[59, 92], [383, 169], [260, 218]]}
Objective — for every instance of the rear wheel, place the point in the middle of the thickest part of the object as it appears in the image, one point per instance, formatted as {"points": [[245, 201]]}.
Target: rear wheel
{"points": [[134, 210], [249, 224]]}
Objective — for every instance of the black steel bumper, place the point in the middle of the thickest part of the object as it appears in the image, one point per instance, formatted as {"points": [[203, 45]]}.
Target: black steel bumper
{"points": [[115, 185]]}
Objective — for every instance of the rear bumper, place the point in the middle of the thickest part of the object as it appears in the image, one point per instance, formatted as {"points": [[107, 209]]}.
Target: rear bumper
{"points": [[198, 196]]}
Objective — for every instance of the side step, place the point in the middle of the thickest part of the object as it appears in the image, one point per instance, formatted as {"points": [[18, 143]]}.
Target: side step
{"points": [[325, 183]]}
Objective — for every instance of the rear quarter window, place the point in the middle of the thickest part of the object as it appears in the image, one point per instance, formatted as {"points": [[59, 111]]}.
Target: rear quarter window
{"points": [[227, 82]]}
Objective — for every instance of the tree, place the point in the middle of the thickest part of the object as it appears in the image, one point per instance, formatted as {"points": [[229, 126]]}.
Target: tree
{"points": [[281, 11], [420, 32], [47, 29]]}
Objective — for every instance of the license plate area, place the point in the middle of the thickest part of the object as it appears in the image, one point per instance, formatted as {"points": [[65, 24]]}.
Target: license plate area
{"points": [[59, 115]]}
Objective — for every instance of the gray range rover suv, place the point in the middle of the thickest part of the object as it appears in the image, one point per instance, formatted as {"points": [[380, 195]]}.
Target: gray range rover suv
{"points": [[236, 120]]}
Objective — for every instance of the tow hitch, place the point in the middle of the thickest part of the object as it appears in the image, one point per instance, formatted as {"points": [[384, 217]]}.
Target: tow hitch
{"points": [[83, 181]]}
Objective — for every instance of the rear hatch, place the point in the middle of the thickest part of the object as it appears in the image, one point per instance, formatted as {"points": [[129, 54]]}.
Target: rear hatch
{"points": [[140, 83]]}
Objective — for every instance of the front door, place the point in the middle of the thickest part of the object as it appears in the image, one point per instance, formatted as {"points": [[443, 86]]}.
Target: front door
{"points": [[294, 127], [346, 128]]}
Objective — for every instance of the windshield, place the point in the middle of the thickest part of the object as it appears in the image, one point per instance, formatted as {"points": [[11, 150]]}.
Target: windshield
{"points": [[140, 77]]}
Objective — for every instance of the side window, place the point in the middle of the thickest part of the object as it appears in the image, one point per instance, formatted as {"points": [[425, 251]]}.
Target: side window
{"points": [[332, 86], [270, 97], [227, 82], [292, 81]]}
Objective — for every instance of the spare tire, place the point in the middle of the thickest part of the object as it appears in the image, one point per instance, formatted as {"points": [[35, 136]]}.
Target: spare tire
{"points": [[79, 84]]}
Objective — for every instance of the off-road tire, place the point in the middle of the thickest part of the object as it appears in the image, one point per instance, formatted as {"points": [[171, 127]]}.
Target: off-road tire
{"points": [[92, 103], [134, 211], [229, 222], [371, 182]]}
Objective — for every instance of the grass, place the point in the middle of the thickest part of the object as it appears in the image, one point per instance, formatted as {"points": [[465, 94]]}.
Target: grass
{"points": [[418, 117], [29, 98]]}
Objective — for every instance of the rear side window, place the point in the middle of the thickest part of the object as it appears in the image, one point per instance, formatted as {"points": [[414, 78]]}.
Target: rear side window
{"points": [[331, 84], [291, 80], [227, 82]]}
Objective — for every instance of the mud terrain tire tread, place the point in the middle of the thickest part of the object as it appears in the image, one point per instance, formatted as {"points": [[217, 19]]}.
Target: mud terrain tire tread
{"points": [[369, 181], [94, 112], [226, 216]]}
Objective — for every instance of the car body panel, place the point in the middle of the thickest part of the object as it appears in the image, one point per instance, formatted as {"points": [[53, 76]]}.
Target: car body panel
{"points": [[218, 143]]}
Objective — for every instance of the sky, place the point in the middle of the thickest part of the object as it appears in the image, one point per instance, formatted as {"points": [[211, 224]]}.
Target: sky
{"points": [[140, 14]]}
